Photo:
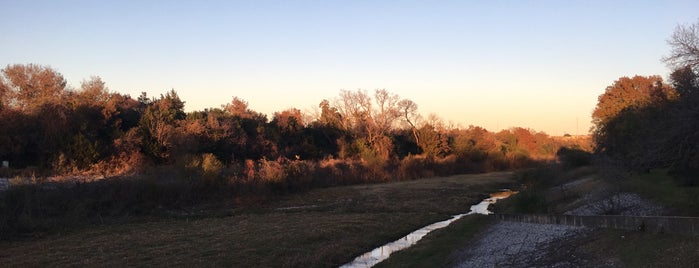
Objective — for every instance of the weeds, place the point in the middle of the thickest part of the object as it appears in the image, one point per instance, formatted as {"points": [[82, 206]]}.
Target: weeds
{"points": [[661, 186], [193, 180]]}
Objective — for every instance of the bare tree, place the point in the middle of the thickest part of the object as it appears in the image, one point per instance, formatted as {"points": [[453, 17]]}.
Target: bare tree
{"points": [[386, 112], [370, 118], [685, 47], [408, 110], [354, 108]]}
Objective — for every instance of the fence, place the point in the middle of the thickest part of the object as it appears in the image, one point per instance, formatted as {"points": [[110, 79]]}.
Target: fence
{"points": [[658, 224]]}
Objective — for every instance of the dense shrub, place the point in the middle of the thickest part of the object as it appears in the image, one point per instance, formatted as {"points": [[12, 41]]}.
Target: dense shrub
{"points": [[574, 157], [51, 206], [532, 198]]}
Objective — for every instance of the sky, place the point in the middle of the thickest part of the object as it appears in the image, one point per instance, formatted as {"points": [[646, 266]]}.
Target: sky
{"points": [[494, 64]]}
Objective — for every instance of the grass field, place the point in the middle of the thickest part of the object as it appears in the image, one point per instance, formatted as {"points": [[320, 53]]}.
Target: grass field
{"points": [[597, 248], [320, 228], [659, 186], [437, 249], [641, 249]]}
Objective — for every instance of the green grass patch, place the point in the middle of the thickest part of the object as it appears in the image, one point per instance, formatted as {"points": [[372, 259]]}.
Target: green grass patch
{"points": [[643, 249], [437, 248], [532, 197], [660, 186]]}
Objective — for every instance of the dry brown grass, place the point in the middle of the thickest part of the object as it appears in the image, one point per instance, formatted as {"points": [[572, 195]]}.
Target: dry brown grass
{"points": [[320, 228]]}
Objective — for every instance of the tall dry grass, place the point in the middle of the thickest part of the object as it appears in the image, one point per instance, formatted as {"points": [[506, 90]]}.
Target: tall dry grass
{"points": [[203, 179]]}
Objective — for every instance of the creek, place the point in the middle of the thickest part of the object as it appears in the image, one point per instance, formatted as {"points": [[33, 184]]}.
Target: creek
{"points": [[382, 253]]}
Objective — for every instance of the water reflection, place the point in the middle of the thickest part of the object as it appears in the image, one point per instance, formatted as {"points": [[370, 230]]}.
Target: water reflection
{"points": [[381, 253]]}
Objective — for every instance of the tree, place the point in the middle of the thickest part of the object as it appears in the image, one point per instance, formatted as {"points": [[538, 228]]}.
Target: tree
{"points": [[326, 132], [19, 134], [387, 111], [684, 44], [4, 94], [290, 120], [475, 143], [370, 120], [683, 135], [34, 85], [239, 107], [354, 108], [630, 93], [685, 81], [645, 123], [526, 139], [684, 59], [408, 111], [632, 106], [329, 115], [93, 92], [158, 125], [287, 127], [434, 142]]}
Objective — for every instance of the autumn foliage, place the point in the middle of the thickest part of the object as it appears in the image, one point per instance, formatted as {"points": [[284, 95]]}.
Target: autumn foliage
{"points": [[644, 123], [57, 130], [148, 154]]}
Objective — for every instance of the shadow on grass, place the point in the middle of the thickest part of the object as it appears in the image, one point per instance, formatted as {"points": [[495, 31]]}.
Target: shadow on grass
{"points": [[438, 249]]}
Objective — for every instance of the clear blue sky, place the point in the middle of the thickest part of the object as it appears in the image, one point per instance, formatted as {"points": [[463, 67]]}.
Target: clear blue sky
{"points": [[496, 64]]}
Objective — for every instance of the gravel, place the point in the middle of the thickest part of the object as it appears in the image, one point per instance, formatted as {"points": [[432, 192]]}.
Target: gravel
{"points": [[513, 244]]}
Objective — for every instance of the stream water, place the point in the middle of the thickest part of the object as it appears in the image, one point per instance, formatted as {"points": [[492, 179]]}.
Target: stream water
{"points": [[381, 253]]}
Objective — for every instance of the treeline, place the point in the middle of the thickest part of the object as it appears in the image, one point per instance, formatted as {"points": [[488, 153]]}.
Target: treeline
{"points": [[51, 129], [159, 158], [644, 123]]}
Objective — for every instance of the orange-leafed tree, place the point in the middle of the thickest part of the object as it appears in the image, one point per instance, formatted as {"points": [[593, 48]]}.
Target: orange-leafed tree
{"points": [[630, 93], [289, 120], [627, 120], [4, 93], [34, 85]]}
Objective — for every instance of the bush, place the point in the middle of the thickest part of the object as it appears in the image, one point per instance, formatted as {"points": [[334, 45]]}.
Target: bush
{"points": [[211, 167], [574, 157], [533, 198], [530, 201], [48, 206], [413, 167]]}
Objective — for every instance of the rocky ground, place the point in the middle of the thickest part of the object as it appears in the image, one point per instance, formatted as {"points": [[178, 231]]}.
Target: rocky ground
{"points": [[513, 244]]}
